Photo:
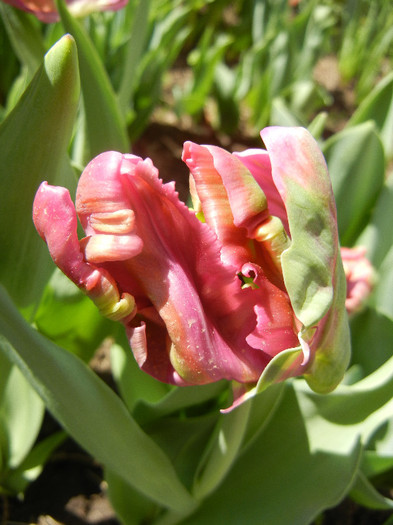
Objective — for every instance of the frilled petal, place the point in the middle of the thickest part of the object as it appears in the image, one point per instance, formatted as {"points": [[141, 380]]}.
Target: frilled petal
{"points": [[235, 207], [55, 220], [242, 209], [312, 267], [199, 332], [207, 186]]}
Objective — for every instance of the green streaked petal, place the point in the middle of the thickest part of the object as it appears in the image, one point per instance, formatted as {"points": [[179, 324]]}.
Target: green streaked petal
{"points": [[312, 267]]}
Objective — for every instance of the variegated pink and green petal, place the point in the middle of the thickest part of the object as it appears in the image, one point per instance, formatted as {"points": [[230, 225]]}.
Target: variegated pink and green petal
{"points": [[55, 219], [312, 267], [331, 343]]}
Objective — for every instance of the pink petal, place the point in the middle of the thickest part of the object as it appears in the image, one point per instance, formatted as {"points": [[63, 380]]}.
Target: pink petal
{"points": [[45, 10], [243, 204], [360, 276], [55, 220], [177, 271], [257, 161]]}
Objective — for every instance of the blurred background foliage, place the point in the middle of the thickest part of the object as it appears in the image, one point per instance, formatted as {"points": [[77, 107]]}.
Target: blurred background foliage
{"points": [[235, 66]]}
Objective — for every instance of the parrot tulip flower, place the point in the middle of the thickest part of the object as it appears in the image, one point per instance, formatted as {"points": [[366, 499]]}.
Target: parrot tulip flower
{"points": [[248, 286], [45, 10]]}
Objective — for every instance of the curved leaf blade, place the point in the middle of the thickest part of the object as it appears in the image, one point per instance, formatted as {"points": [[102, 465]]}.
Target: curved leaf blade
{"points": [[356, 161], [105, 126], [90, 411], [33, 144]]}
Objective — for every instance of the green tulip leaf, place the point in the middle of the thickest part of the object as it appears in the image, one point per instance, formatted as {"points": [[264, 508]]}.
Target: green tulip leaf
{"points": [[104, 124], [130, 506], [21, 413], [224, 448], [367, 328], [70, 319], [378, 106], [134, 385], [90, 411], [356, 162], [382, 297], [134, 50], [33, 144], [18, 479], [293, 468], [24, 32], [365, 494], [377, 237]]}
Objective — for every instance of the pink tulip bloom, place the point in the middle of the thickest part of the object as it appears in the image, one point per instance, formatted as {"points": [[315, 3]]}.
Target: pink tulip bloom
{"points": [[45, 10], [253, 292], [360, 276]]}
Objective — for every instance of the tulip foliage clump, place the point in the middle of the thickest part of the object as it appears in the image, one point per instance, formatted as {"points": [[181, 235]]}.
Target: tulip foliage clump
{"points": [[249, 325]]}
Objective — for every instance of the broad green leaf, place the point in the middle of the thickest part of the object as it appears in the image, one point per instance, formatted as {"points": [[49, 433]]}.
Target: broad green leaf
{"points": [[227, 119], [134, 384], [263, 407], [308, 455], [365, 494], [167, 38], [204, 61], [184, 440], [130, 506], [356, 162], [181, 399], [235, 431], [378, 234], [105, 125], [378, 106], [134, 49], [225, 446], [382, 297], [377, 237], [25, 35], [283, 464], [317, 125], [21, 412], [90, 411], [359, 409], [17, 480], [376, 462], [70, 319], [33, 144], [371, 329], [281, 115]]}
